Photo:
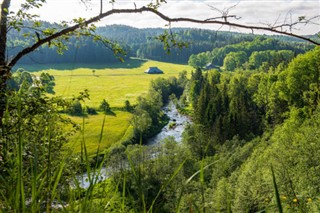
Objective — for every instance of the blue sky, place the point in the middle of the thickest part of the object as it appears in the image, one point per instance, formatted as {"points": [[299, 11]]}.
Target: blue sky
{"points": [[265, 12]]}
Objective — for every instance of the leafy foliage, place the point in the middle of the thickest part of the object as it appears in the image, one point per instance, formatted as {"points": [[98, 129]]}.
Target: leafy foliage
{"points": [[32, 153], [75, 108], [248, 122]]}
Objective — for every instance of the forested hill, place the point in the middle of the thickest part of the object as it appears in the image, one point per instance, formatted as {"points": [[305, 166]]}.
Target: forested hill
{"points": [[141, 43]]}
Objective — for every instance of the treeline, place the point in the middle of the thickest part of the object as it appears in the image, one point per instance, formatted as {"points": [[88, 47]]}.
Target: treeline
{"points": [[71, 49], [197, 41], [260, 53], [141, 43]]}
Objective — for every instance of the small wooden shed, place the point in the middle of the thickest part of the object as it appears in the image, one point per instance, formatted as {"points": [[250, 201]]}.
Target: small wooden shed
{"points": [[153, 70]]}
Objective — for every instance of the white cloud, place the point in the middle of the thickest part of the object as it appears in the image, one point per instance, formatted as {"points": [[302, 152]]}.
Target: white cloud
{"points": [[252, 12]]}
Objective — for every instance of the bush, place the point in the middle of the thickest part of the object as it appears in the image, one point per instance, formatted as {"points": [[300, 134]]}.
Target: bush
{"points": [[127, 106], [91, 111], [105, 107], [172, 125], [75, 108]]}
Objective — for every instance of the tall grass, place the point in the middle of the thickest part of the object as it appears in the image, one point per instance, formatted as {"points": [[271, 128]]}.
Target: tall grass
{"points": [[166, 184], [34, 193], [20, 196], [276, 191], [93, 173]]}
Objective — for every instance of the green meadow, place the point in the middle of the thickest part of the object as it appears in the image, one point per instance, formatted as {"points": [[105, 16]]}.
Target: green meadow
{"points": [[115, 129], [116, 84]]}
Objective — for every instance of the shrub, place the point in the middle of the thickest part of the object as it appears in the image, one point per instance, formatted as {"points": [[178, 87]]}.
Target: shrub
{"points": [[91, 110], [127, 106], [105, 106], [75, 108]]}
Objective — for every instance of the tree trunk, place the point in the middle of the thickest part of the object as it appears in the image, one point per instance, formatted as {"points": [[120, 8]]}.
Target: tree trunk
{"points": [[3, 30], [4, 70]]}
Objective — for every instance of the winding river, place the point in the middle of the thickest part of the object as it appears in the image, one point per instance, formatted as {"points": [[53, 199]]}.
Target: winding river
{"points": [[180, 121]]}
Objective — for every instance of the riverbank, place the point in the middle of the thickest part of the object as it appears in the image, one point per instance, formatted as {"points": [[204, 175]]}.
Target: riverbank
{"points": [[174, 128], [176, 133]]}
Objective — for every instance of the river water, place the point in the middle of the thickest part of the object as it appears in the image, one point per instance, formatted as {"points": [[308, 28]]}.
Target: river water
{"points": [[180, 123], [176, 132]]}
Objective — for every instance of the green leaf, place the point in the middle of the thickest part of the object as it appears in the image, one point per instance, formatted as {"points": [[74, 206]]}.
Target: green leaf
{"points": [[37, 24]]}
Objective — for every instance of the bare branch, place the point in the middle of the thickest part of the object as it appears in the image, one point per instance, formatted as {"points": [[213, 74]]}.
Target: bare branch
{"points": [[86, 3], [301, 20], [101, 6], [276, 21], [224, 13], [216, 34], [224, 17]]}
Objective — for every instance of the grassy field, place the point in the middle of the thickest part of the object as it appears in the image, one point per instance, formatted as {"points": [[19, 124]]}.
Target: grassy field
{"points": [[115, 84], [116, 129]]}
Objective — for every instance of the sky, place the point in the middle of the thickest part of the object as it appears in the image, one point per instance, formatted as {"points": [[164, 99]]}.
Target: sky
{"points": [[259, 12]]}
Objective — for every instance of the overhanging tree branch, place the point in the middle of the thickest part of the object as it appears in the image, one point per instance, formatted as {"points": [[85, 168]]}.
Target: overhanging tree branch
{"points": [[159, 14]]}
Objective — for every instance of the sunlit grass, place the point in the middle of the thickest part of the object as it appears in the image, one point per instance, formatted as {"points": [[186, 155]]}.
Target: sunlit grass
{"points": [[116, 129], [116, 85]]}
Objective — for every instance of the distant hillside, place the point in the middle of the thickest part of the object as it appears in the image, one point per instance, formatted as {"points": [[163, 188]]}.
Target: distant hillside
{"points": [[136, 42]]}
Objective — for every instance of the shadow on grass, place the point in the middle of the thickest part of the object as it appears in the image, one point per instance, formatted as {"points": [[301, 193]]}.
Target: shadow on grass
{"points": [[111, 113], [86, 115], [127, 64]]}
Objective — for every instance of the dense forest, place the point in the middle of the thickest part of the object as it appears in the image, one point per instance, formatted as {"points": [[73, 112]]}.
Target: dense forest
{"points": [[253, 144], [203, 45], [262, 52], [253, 133], [250, 122]]}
